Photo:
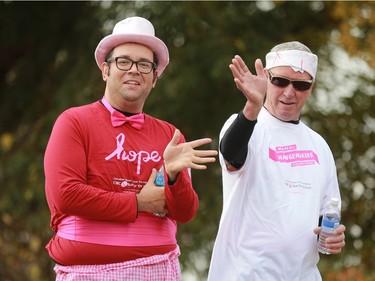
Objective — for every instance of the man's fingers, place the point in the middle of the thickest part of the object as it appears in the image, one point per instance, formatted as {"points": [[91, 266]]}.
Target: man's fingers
{"points": [[335, 248], [152, 176], [176, 137], [235, 72], [259, 68], [199, 142], [238, 67], [205, 153], [198, 167], [241, 64]]}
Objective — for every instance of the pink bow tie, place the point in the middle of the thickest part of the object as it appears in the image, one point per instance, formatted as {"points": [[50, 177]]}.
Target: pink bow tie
{"points": [[118, 119]]}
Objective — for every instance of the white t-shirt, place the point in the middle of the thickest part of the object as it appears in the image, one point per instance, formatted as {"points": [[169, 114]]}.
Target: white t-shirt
{"points": [[273, 203]]}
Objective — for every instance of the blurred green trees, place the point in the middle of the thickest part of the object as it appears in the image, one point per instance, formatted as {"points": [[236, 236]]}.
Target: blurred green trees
{"points": [[47, 65]]}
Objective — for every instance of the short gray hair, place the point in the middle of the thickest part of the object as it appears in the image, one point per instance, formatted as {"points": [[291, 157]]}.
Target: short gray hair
{"points": [[292, 45]]}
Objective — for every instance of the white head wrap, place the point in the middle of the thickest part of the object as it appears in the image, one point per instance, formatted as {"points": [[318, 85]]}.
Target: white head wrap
{"points": [[298, 60]]}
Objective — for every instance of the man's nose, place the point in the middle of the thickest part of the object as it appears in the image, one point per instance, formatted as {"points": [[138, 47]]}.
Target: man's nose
{"points": [[134, 68], [289, 91]]}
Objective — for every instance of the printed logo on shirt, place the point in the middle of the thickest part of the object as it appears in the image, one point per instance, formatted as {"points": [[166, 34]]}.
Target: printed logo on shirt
{"points": [[129, 185], [139, 157], [290, 154], [297, 187]]}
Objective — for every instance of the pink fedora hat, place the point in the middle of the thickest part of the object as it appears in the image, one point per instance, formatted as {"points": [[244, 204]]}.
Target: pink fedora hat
{"points": [[136, 30]]}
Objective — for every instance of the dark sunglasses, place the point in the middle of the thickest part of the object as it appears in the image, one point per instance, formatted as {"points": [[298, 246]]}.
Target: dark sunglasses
{"points": [[299, 85]]}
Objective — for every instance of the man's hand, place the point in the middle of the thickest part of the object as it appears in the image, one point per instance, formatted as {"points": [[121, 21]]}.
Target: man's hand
{"points": [[151, 198], [254, 87], [335, 243], [179, 156]]}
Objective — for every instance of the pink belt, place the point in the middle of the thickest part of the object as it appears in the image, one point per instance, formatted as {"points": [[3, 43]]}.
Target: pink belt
{"points": [[147, 230]]}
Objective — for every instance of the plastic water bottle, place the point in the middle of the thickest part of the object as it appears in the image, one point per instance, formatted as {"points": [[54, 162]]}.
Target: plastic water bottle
{"points": [[331, 220], [159, 181]]}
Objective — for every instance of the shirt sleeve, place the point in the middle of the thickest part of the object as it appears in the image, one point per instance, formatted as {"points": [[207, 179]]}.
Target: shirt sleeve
{"points": [[182, 200], [67, 191], [233, 145]]}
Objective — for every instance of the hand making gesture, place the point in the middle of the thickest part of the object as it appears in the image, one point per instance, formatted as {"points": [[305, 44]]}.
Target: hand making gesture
{"points": [[254, 87], [178, 156]]}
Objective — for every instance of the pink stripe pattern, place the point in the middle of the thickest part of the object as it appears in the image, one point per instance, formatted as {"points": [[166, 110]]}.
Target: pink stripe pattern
{"points": [[155, 268]]}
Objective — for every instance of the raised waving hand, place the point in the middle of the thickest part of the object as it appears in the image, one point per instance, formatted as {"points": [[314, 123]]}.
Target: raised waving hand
{"points": [[253, 87]]}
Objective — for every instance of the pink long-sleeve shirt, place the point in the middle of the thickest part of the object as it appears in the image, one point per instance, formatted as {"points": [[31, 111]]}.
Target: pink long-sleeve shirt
{"points": [[93, 172]]}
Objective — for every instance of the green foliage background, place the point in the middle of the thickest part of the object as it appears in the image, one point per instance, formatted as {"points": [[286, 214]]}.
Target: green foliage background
{"points": [[47, 65]]}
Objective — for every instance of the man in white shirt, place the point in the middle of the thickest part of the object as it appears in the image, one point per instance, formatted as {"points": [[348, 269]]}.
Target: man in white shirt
{"points": [[278, 175]]}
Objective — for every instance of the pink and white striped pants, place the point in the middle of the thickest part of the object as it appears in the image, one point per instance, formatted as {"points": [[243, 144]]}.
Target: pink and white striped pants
{"points": [[155, 268]]}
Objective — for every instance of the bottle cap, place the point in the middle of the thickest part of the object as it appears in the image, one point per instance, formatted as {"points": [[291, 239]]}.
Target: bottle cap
{"points": [[335, 201]]}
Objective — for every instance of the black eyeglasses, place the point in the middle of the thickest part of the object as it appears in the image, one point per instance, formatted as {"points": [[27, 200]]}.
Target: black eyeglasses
{"points": [[126, 64], [282, 82]]}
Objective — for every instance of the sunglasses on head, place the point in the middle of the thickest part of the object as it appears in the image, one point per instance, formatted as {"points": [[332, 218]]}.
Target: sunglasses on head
{"points": [[282, 82]]}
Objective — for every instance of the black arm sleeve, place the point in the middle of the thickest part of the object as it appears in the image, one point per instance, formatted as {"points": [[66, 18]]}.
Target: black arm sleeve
{"points": [[233, 145]]}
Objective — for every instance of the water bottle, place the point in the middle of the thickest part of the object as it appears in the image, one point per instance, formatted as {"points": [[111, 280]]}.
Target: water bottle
{"points": [[331, 220], [159, 181]]}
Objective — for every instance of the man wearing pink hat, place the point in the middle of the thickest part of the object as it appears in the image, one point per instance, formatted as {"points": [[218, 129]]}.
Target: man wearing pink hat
{"points": [[278, 175], [112, 221]]}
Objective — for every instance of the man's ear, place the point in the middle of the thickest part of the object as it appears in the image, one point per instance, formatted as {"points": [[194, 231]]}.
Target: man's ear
{"points": [[105, 71], [155, 79]]}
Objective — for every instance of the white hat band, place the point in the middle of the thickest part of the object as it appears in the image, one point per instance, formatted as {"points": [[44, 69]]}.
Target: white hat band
{"points": [[298, 60]]}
